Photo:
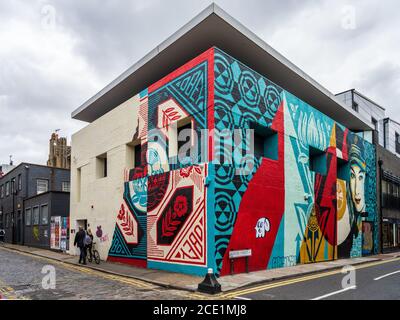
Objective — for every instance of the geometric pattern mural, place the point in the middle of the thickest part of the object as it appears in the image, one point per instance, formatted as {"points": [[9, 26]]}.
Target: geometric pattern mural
{"points": [[311, 197]]}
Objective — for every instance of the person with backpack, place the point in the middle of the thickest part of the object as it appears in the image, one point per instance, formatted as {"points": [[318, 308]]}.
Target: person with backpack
{"points": [[89, 243], [80, 243]]}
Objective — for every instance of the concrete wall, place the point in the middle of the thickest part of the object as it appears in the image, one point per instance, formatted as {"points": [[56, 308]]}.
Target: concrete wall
{"points": [[96, 199]]}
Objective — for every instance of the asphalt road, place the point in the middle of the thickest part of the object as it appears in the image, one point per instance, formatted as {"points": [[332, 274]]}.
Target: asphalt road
{"points": [[374, 281], [22, 277]]}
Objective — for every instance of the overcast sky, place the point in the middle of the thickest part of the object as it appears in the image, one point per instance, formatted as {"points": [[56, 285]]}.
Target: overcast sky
{"points": [[54, 55]]}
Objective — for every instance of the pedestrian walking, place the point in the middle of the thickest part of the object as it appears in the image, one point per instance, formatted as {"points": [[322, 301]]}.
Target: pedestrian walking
{"points": [[80, 243], [89, 244]]}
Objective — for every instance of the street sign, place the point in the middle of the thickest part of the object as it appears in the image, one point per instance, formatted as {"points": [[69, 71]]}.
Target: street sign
{"points": [[239, 254]]}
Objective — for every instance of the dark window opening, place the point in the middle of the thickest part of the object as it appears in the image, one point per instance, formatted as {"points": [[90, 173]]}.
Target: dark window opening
{"points": [[318, 161], [138, 155], [375, 123], [355, 106], [397, 143], [343, 169], [102, 166], [265, 142], [182, 142]]}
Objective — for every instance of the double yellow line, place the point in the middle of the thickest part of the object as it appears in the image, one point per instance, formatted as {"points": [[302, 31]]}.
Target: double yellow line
{"points": [[238, 293]]}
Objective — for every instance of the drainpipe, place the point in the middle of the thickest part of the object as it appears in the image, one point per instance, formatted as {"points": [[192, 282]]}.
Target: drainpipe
{"points": [[380, 163], [26, 195]]}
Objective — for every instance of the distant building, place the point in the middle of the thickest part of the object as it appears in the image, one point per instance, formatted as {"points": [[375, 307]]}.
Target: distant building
{"points": [[388, 130], [5, 168], [387, 141], [34, 206], [59, 152]]}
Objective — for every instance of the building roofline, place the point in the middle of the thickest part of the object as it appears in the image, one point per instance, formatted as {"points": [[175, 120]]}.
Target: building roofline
{"points": [[214, 27], [45, 193], [368, 99], [31, 164], [390, 119], [338, 94]]}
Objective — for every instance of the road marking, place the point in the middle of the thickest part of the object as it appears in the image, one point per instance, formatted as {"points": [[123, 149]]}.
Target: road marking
{"points": [[386, 275], [242, 298], [231, 295], [335, 293]]}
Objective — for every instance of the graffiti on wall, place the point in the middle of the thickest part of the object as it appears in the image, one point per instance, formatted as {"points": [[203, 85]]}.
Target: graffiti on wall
{"points": [[313, 186], [162, 220], [315, 192]]}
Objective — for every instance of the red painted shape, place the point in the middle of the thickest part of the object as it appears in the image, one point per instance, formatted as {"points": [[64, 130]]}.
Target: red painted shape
{"points": [[325, 197], [345, 150], [206, 56], [267, 191], [133, 262], [210, 106]]}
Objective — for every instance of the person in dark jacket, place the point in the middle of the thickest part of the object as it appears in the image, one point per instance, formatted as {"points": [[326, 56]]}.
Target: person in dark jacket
{"points": [[80, 243]]}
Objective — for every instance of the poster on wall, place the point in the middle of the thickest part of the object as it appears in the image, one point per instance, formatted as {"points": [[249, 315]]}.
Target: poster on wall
{"points": [[64, 244], [368, 242], [52, 233], [55, 237]]}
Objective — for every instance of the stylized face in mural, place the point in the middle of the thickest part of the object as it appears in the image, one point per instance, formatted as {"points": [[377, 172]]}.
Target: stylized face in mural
{"points": [[357, 179], [357, 184]]}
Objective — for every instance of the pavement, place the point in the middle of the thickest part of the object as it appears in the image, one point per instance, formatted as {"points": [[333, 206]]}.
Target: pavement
{"points": [[24, 276], [189, 283]]}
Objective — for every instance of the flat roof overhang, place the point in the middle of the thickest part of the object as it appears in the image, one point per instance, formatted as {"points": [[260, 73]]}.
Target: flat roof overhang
{"points": [[213, 27]]}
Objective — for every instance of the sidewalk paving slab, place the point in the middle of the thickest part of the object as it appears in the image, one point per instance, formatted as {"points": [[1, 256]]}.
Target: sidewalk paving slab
{"points": [[189, 283]]}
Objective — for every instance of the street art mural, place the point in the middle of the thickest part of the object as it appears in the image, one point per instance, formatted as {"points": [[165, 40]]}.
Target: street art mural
{"points": [[162, 221], [315, 191], [302, 191]]}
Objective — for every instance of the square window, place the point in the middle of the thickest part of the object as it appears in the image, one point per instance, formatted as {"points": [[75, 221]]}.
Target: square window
{"points": [[265, 142], [28, 217], [102, 166], [318, 161], [36, 216], [65, 186], [42, 186], [44, 214]]}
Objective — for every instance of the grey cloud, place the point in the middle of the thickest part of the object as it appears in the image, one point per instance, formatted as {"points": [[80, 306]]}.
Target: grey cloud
{"points": [[98, 40]]}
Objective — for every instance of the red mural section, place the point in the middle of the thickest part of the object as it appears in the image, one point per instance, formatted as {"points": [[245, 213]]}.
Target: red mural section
{"points": [[325, 198], [267, 190]]}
